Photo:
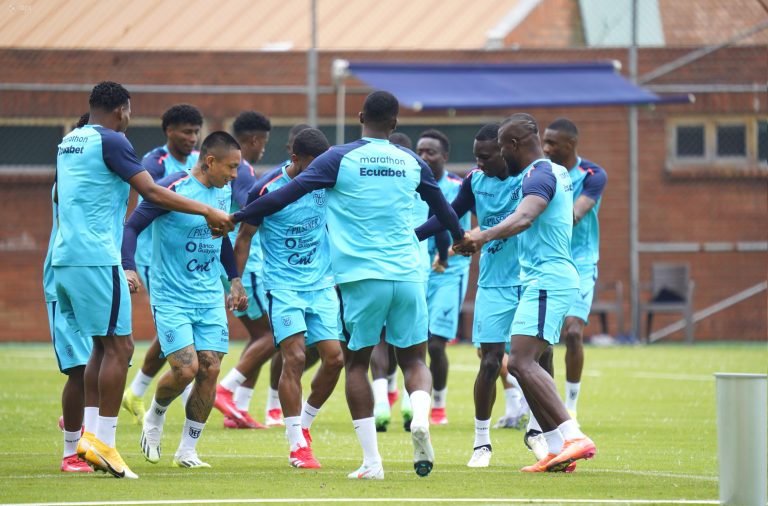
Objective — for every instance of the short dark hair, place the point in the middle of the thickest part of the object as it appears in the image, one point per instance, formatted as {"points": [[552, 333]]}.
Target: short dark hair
{"points": [[439, 136], [181, 114], [524, 121], [217, 140], [84, 119], [250, 122], [108, 95], [380, 107], [489, 132], [564, 125], [295, 129], [401, 139], [310, 142]]}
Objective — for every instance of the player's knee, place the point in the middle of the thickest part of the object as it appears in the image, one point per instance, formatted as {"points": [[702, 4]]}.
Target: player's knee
{"points": [[517, 365], [185, 374], [436, 346], [490, 364], [293, 360], [573, 336], [334, 361]]}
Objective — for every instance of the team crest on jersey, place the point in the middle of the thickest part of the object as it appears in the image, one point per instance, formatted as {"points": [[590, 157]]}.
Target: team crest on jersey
{"points": [[319, 196], [287, 321], [515, 194], [223, 204], [169, 336]]}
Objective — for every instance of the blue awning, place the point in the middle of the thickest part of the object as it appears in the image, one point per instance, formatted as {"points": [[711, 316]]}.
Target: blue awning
{"points": [[483, 86]]}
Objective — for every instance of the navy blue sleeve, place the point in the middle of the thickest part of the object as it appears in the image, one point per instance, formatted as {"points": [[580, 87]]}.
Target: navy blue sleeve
{"points": [[322, 172], [141, 218], [594, 184], [540, 181], [431, 194], [153, 163], [228, 258], [464, 201], [246, 179], [442, 243], [119, 155]]}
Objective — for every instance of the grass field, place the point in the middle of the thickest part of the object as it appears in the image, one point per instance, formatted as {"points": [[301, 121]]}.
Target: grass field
{"points": [[651, 411]]}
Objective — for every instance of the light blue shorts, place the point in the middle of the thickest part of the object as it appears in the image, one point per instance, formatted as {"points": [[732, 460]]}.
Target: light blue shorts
{"points": [[583, 303], [143, 271], [368, 304], [71, 347], [204, 327], [541, 313], [94, 300], [444, 300], [257, 297], [315, 312], [494, 313]]}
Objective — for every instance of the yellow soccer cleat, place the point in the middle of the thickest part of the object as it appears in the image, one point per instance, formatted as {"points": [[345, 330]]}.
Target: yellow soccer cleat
{"points": [[134, 405], [102, 457], [85, 442]]}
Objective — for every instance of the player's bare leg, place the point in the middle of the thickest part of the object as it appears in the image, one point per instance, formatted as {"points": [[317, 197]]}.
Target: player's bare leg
{"points": [[418, 383], [574, 361], [491, 356], [438, 366]]}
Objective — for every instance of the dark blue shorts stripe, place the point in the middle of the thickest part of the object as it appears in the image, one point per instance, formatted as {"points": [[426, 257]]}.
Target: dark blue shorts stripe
{"points": [[269, 315], [461, 299], [256, 295], [115, 301], [542, 312], [53, 333], [146, 277], [344, 330]]}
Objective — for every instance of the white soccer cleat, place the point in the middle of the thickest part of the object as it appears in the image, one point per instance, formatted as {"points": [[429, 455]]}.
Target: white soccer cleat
{"points": [[481, 457], [150, 441], [537, 443], [423, 454], [369, 472], [189, 461]]}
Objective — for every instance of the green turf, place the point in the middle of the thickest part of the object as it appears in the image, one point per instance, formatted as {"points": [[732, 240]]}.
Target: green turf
{"points": [[651, 411]]}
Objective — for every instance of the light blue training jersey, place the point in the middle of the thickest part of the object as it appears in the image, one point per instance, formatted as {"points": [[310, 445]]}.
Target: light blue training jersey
{"points": [[295, 239], [420, 215], [159, 163], [458, 265], [545, 248], [588, 179], [49, 284], [370, 210], [495, 199], [185, 269], [93, 166]]}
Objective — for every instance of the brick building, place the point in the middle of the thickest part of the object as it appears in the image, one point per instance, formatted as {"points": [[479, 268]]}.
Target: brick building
{"points": [[695, 195]]}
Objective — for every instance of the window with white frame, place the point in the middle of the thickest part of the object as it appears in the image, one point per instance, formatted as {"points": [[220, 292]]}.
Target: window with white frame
{"points": [[710, 144]]}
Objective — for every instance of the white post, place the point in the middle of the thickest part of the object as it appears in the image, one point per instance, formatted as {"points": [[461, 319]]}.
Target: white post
{"points": [[742, 444]]}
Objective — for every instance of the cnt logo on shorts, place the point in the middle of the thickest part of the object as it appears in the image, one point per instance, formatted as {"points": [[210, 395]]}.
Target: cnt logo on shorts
{"points": [[287, 321], [194, 433], [169, 336], [69, 351]]}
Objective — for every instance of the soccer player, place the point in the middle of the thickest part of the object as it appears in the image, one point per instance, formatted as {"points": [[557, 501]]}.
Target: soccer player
{"points": [[448, 286], [370, 185], [234, 392], [95, 167], [188, 296], [303, 305], [560, 140], [544, 222], [493, 194], [181, 125]]}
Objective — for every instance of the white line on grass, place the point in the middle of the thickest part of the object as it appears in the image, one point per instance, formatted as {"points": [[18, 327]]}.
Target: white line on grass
{"points": [[377, 500]]}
